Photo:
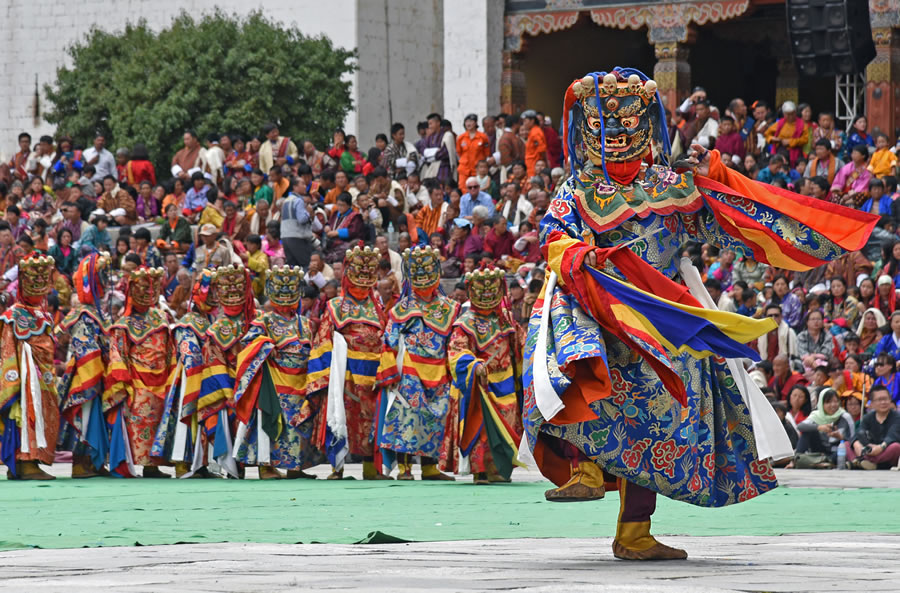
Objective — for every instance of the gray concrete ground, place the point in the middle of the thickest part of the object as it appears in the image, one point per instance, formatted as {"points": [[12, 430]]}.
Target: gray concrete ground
{"points": [[806, 562], [822, 562]]}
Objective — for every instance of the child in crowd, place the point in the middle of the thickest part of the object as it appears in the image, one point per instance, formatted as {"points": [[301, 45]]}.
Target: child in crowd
{"points": [[883, 161], [257, 262]]}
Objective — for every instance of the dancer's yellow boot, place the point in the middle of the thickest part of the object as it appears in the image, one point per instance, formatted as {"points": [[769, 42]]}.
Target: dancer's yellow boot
{"points": [[586, 483], [633, 540], [431, 472]]}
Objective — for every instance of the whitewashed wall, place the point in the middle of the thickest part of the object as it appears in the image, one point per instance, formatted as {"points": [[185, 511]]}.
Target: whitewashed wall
{"points": [[473, 45], [35, 33]]}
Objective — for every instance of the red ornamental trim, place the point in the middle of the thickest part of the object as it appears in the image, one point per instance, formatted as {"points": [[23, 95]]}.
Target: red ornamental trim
{"points": [[669, 21], [534, 24]]}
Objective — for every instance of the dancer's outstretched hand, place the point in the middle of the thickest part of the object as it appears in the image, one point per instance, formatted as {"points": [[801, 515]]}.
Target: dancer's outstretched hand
{"points": [[699, 159]]}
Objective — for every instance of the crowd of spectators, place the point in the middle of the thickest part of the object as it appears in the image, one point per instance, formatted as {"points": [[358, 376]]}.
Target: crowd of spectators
{"points": [[479, 195]]}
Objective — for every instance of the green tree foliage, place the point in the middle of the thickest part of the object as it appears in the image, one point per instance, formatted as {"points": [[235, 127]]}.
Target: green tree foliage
{"points": [[218, 74]]}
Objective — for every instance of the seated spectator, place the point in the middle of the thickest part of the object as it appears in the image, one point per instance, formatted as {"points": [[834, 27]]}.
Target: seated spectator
{"points": [[39, 235], [404, 242], [72, 220], [474, 197], [852, 403], [209, 253], [96, 237], [344, 228], [513, 205], [851, 183], [783, 379], [117, 203], [436, 241], [876, 444], [883, 161], [528, 246], [64, 254], [121, 250], [145, 204], [431, 218], [851, 347], [311, 306], [750, 271], [259, 216], [781, 340], [749, 305], [498, 241], [149, 254], [800, 405], [890, 344], [867, 330], [235, 225], [825, 428], [815, 340], [774, 170], [388, 287], [171, 282], [878, 202], [272, 244], [470, 262], [791, 304], [176, 196], [196, 198], [389, 255], [719, 297], [178, 299], [39, 198], [463, 241], [823, 163], [175, 233], [371, 216], [722, 269], [839, 304], [886, 374], [318, 273]]}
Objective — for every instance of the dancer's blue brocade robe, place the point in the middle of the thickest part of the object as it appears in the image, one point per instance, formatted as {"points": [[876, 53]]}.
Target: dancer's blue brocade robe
{"points": [[424, 412], [703, 453]]}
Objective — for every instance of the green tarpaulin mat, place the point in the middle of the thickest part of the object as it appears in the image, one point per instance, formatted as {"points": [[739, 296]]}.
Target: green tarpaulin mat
{"points": [[108, 512]]}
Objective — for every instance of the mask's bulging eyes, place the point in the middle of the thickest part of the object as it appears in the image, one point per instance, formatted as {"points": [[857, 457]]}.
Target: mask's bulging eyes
{"points": [[630, 122], [594, 123]]}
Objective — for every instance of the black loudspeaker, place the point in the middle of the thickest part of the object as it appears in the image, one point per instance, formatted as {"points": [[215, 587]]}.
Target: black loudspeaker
{"points": [[830, 37]]}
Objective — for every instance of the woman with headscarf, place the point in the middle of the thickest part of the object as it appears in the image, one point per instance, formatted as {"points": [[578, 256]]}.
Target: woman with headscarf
{"points": [[867, 330], [885, 295], [825, 428]]}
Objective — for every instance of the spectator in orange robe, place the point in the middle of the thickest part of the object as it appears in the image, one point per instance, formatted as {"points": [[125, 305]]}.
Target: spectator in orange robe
{"points": [[471, 147], [536, 145]]}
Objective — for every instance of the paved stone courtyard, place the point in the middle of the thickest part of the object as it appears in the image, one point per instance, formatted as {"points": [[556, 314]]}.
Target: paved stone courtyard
{"points": [[800, 562]]}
